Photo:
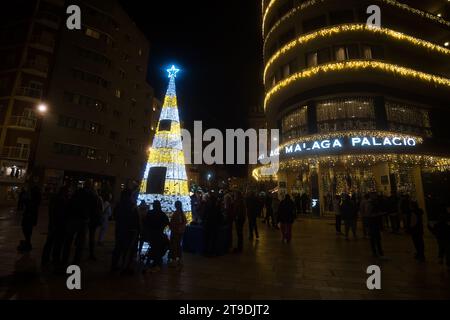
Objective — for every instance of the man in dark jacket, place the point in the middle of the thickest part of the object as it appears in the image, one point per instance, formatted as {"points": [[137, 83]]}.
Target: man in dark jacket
{"points": [[30, 215], [286, 216], [239, 214], [252, 204], [416, 230], [211, 223], [348, 214], [57, 211]]}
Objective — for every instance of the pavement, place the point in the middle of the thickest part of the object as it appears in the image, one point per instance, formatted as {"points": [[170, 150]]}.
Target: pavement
{"points": [[317, 264]]}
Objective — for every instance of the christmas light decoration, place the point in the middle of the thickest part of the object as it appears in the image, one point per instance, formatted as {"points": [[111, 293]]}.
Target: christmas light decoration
{"points": [[306, 4], [347, 28], [352, 133], [167, 153], [369, 65], [432, 163]]}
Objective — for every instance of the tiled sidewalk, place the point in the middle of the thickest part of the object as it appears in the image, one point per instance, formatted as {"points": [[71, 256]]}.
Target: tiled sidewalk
{"points": [[316, 265]]}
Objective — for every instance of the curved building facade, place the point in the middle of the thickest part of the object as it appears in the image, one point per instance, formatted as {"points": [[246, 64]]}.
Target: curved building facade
{"points": [[359, 108]]}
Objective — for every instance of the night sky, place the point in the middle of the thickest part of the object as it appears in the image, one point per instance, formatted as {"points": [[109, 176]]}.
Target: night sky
{"points": [[217, 44], [218, 47]]}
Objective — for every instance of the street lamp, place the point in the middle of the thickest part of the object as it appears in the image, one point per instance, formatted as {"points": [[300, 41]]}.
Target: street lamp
{"points": [[42, 108]]}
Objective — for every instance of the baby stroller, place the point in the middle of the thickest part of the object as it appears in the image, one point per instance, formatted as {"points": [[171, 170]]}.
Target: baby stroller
{"points": [[154, 249]]}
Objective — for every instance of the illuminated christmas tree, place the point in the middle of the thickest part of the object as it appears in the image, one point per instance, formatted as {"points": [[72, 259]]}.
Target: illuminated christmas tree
{"points": [[165, 176]]}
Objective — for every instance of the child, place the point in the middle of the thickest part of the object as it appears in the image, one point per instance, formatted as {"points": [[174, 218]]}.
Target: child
{"points": [[177, 227]]}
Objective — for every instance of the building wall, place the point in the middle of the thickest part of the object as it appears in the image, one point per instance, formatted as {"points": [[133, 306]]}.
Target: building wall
{"points": [[100, 104]]}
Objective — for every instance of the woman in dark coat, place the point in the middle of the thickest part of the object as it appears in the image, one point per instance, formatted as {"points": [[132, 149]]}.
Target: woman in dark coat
{"points": [[286, 217]]}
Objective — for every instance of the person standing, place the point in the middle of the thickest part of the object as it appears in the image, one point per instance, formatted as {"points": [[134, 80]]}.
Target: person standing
{"points": [[57, 211], [416, 231], [349, 216], [337, 212], [286, 216], [269, 209], [30, 215], [126, 233], [365, 209], [405, 211], [211, 223], [104, 220], [275, 208], [95, 208], [252, 205], [239, 214], [229, 217], [374, 223], [178, 223]]}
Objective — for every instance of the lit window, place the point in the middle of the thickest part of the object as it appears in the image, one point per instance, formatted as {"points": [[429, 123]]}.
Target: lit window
{"points": [[118, 93], [92, 33]]}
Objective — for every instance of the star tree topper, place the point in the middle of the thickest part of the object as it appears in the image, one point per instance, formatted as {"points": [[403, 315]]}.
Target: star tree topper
{"points": [[173, 72]]}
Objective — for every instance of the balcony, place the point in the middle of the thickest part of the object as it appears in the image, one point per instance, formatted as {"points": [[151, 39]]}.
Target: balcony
{"points": [[15, 153], [28, 92], [23, 122], [33, 65], [43, 43], [49, 19]]}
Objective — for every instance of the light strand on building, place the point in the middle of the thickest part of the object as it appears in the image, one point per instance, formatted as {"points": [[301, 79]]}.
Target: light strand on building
{"points": [[356, 65], [304, 5], [329, 32]]}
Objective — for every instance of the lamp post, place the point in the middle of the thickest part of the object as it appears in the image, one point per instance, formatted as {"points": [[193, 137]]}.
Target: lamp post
{"points": [[41, 111]]}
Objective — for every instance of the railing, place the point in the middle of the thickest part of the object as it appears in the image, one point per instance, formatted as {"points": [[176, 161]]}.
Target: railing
{"points": [[29, 92], [45, 16], [32, 64], [15, 153], [39, 40], [23, 122]]}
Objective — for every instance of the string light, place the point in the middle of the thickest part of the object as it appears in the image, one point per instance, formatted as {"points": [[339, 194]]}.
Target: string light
{"points": [[306, 4], [167, 152], [330, 32], [355, 65], [433, 163]]}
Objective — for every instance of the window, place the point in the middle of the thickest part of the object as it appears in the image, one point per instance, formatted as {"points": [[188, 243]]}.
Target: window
{"points": [[109, 158], [133, 102], [85, 101], [76, 151], [323, 56], [117, 113], [122, 74], [92, 33], [113, 135], [294, 124], [342, 53], [287, 37], [314, 23], [118, 93], [286, 70], [89, 77], [407, 118], [131, 123], [367, 52], [341, 17], [345, 114], [140, 52], [126, 163], [311, 59]]}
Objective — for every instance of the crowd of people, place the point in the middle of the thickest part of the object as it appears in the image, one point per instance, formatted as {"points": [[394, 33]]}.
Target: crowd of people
{"points": [[80, 217], [379, 212]]}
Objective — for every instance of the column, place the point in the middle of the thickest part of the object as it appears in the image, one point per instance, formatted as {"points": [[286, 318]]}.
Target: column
{"points": [[381, 175], [416, 174]]}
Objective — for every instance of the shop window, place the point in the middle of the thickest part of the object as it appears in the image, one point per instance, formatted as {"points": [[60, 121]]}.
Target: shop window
{"points": [[345, 114], [294, 124], [403, 117]]}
